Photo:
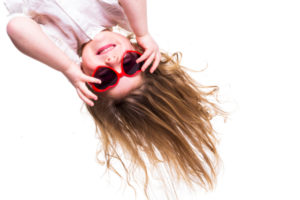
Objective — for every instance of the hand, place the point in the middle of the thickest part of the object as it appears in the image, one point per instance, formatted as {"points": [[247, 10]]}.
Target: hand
{"points": [[151, 52], [78, 79]]}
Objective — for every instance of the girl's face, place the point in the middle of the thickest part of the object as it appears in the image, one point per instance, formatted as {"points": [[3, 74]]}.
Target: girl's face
{"points": [[107, 49]]}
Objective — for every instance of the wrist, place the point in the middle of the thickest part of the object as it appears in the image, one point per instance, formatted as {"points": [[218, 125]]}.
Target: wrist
{"points": [[66, 70], [142, 35]]}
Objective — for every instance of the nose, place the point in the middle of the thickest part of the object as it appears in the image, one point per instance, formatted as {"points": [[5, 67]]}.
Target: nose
{"points": [[111, 60], [114, 62]]}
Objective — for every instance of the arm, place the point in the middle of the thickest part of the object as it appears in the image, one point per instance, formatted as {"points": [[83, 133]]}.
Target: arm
{"points": [[29, 38], [136, 12]]}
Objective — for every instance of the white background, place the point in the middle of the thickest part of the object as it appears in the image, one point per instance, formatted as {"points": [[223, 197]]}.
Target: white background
{"points": [[252, 48]]}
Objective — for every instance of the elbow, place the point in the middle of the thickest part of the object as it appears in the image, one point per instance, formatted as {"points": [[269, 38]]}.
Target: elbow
{"points": [[16, 26], [12, 27]]}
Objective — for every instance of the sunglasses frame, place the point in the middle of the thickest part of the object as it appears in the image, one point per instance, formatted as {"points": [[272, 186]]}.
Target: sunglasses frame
{"points": [[119, 75]]}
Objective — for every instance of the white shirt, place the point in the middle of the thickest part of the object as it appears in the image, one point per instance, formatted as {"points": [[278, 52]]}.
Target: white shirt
{"points": [[70, 23]]}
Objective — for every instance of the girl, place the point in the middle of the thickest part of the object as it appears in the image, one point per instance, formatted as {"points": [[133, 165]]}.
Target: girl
{"points": [[71, 25], [153, 117]]}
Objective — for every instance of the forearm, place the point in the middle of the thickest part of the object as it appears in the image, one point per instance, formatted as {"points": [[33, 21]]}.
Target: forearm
{"points": [[136, 12], [29, 38]]}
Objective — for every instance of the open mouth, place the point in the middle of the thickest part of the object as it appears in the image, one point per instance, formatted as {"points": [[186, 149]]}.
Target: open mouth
{"points": [[105, 49]]}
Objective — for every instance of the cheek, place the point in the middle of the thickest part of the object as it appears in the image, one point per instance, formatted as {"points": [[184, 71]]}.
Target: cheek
{"points": [[124, 42], [87, 70], [88, 64]]}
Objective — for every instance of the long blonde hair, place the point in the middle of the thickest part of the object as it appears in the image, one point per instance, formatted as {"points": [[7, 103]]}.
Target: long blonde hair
{"points": [[166, 120]]}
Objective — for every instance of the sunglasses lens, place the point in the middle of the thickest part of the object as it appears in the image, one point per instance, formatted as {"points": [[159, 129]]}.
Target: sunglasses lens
{"points": [[129, 63], [108, 77]]}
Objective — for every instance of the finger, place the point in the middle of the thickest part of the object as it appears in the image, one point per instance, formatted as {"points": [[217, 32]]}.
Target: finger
{"points": [[145, 55], [156, 62], [86, 92], [85, 99], [91, 79], [148, 62]]}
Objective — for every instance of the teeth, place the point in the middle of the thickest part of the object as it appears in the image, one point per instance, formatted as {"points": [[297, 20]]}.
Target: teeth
{"points": [[107, 49]]}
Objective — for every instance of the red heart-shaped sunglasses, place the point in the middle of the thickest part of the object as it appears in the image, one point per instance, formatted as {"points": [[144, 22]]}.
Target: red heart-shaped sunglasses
{"points": [[110, 77]]}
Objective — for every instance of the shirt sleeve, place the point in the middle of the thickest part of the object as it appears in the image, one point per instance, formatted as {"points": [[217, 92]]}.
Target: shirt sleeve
{"points": [[116, 13], [55, 38], [15, 8]]}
